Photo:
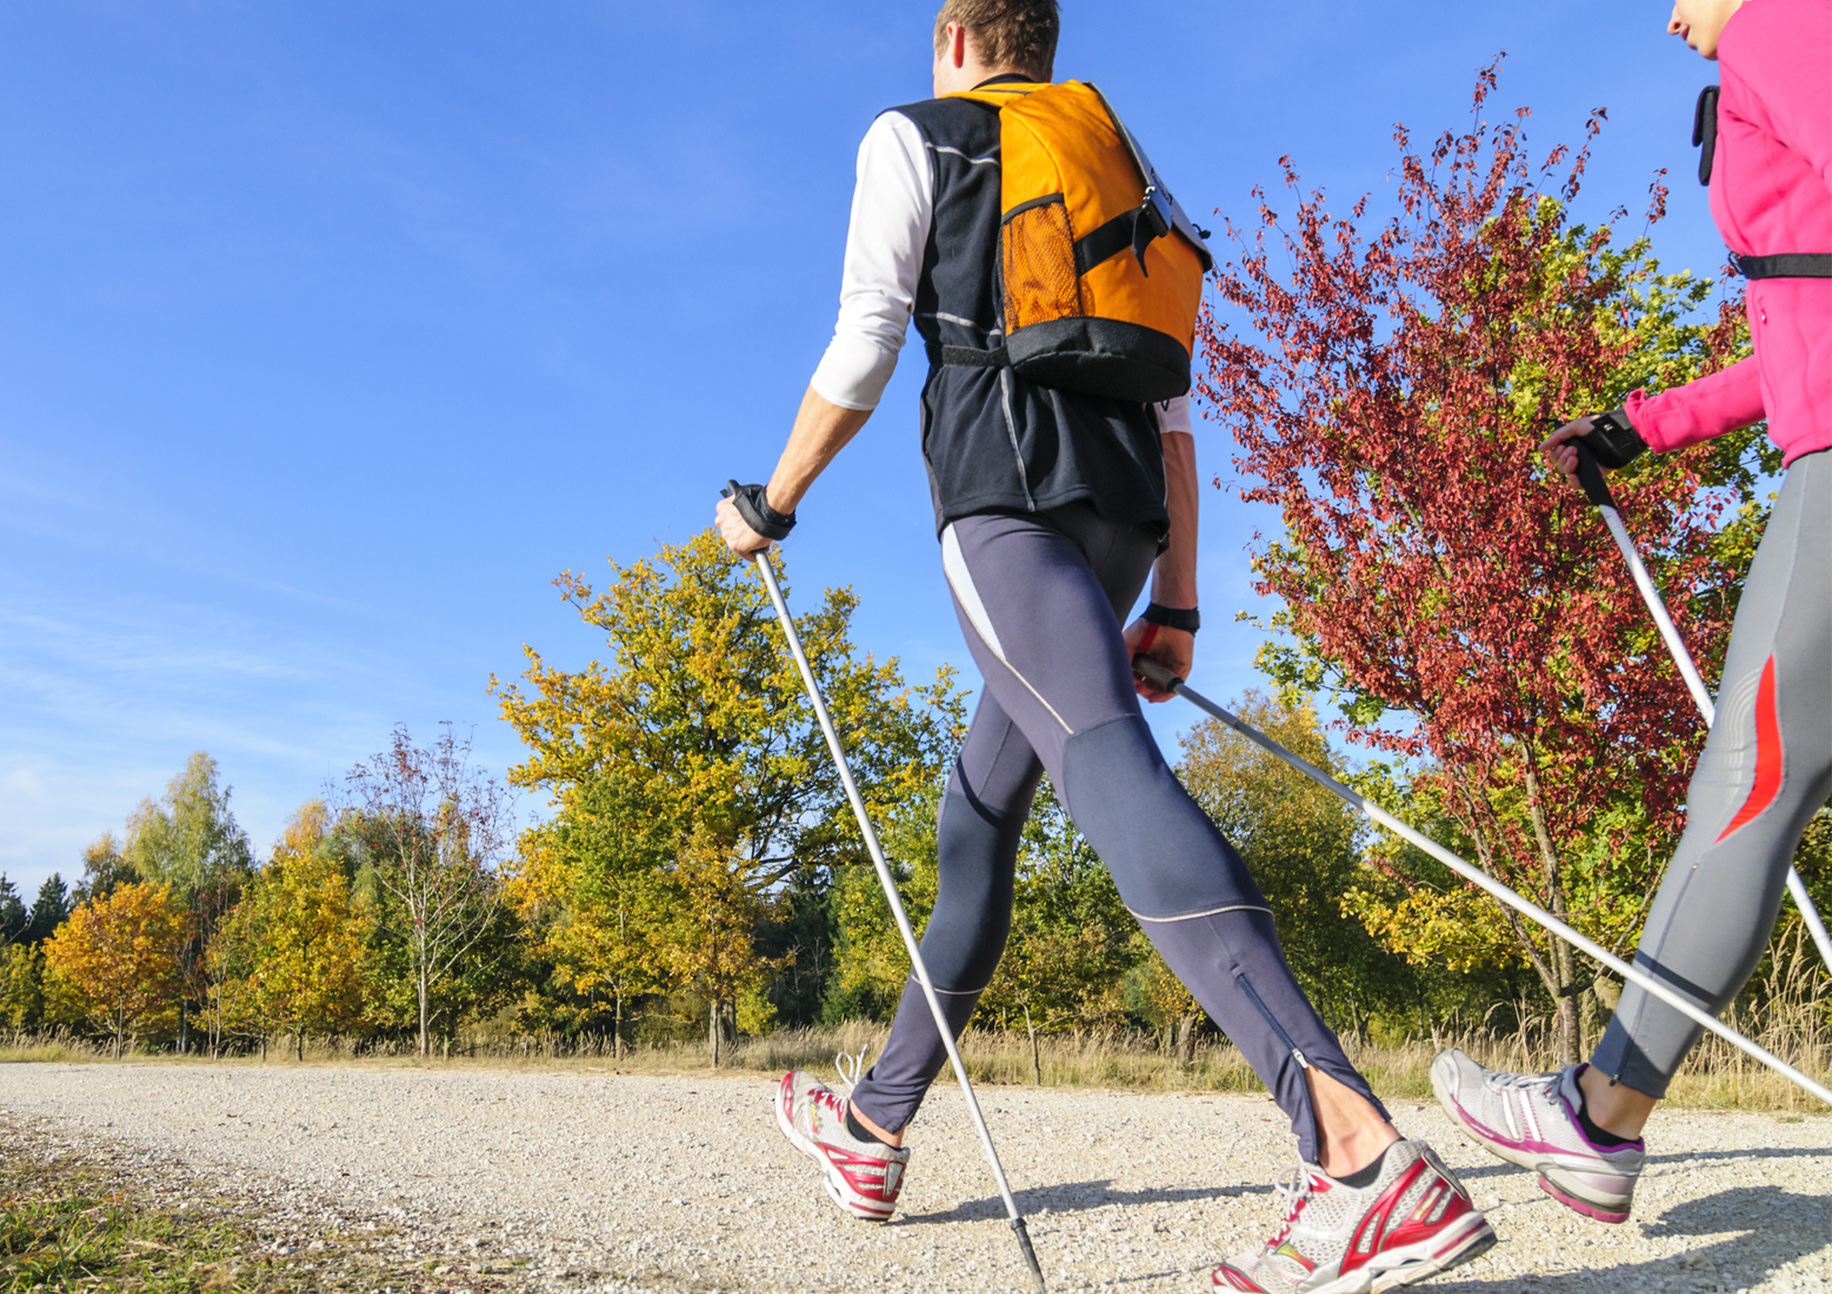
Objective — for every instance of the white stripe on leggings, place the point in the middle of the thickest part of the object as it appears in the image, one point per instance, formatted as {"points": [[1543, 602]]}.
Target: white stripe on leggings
{"points": [[960, 579]]}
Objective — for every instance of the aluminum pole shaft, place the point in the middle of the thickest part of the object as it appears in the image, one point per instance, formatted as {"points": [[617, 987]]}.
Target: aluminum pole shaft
{"points": [[1159, 677], [889, 882]]}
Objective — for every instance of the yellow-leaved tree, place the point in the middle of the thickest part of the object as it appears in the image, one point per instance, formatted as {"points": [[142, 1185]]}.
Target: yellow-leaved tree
{"points": [[120, 953], [304, 933]]}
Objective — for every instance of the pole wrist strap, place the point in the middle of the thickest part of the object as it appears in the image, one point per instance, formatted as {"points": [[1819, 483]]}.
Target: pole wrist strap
{"points": [[755, 508], [1614, 440]]}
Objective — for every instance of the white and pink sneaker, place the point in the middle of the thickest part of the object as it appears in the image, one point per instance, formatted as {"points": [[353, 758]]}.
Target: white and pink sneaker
{"points": [[1532, 1120], [862, 1177]]}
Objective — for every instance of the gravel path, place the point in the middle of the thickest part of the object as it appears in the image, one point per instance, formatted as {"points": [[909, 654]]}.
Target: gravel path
{"points": [[641, 1182]]}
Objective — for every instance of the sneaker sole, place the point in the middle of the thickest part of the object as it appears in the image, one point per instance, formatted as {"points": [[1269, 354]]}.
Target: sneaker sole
{"points": [[830, 1176], [1408, 1266], [1600, 1212], [1465, 1248]]}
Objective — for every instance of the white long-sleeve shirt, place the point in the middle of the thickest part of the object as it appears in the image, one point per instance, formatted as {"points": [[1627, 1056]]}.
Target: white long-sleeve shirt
{"points": [[893, 206]]}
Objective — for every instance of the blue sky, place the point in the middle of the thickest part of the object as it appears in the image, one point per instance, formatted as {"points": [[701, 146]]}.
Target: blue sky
{"points": [[331, 332]]}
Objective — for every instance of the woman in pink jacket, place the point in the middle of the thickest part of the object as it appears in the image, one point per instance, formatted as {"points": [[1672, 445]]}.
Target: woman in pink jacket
{"points": [[1767, 765]]}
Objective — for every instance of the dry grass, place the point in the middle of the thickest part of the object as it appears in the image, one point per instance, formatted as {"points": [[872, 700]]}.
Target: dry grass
{"points": [[1715, 1077]]}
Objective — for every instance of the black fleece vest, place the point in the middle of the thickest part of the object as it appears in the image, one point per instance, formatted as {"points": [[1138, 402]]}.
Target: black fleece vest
{"points": [[994, 442]]}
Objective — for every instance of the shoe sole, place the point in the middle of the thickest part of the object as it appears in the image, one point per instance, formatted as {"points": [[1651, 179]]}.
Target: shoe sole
{"points": [[1577, 1204], [830, 1175], [1614, 1209], [1464, 1249]]}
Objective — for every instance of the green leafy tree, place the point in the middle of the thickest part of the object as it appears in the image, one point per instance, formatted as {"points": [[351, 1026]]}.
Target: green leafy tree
{"points": [[1304, 847], [190, 842], [428, 830], [1072, 941], [21, 1001], [694, 740]]}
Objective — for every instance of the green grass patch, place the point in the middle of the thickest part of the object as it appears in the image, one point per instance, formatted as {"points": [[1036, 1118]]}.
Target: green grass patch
{"points": [[71, 1222]]}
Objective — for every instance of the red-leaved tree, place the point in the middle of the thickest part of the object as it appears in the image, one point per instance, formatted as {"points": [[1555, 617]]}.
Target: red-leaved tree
{"points": [[1387, 389]]}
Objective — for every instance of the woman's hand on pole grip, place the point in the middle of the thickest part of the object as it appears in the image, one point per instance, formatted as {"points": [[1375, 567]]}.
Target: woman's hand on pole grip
{"points": [[1173, 648], [1560, 453]]}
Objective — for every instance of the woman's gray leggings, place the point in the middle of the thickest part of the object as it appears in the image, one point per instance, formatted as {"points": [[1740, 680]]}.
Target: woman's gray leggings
{"points": [[1041, 596], [1767, 768]]}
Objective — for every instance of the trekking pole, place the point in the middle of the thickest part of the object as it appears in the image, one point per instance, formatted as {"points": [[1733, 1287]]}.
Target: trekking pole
{"points": [[1160, 677], [1596, 489], [903, 921]]}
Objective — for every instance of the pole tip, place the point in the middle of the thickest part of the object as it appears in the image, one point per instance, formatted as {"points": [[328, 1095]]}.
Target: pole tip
{"points": [[1030, 1254]]}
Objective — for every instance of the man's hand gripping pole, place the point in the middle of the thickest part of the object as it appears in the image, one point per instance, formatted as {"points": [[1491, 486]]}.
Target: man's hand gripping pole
{"points": [[1160, 677]]}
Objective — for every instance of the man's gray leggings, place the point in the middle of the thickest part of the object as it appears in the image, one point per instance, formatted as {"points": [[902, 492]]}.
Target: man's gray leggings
{"points": [[1041, 596], [1766, 769]]}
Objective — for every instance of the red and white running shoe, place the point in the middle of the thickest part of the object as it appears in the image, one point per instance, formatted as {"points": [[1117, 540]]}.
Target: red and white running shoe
{"points": [[862, 1177], [1415, 1221]]}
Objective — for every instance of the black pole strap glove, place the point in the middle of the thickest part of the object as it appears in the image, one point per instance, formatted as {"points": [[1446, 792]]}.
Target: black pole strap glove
{"points": [[1189, 620], [757, 512], [1614, 441]]}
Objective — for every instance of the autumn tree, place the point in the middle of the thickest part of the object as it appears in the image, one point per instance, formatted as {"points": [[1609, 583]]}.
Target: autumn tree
{"points": [[1386, 391], [695, 729], [121, 954], [305, 935], [104, 867], [21, 1001], [190, 842], [592, 889], [429, 828]]}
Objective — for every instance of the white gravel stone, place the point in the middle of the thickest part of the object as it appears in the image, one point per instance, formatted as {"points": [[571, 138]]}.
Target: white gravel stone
{"points": [[619, 1182]]}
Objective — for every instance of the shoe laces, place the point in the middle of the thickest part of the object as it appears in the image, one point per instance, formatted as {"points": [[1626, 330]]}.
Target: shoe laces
{"points": [[851, 1068], [1295, 1187], [1545, 1084]]}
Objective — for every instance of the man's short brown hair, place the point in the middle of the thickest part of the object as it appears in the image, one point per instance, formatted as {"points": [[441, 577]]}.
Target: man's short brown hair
{"points": [[1006, 33]]}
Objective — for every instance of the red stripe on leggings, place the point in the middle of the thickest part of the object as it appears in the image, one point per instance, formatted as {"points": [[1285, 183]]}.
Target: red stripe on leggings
{"points": [[1768, 753]]}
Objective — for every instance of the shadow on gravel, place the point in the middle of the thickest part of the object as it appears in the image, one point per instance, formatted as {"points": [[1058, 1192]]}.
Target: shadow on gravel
{"points": [[1778, 1227], [1498, 1169], [1077, 1197]]}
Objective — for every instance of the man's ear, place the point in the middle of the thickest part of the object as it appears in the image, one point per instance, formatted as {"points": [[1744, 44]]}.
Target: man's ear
{"points": [[957, 45]]}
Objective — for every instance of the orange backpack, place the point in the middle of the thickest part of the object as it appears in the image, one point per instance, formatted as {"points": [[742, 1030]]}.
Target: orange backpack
{"points": [[1099, 271]]}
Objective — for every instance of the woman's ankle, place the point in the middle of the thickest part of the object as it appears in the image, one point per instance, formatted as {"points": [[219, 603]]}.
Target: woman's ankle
{"points": [[1619, 1110]]}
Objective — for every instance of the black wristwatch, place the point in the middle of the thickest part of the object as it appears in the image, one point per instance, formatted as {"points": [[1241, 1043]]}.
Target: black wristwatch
{"points": [[1188, 620]]}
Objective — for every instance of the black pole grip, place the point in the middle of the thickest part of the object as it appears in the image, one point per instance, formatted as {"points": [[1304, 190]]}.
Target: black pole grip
{"points": [[1156, 673], [1590, 476]]}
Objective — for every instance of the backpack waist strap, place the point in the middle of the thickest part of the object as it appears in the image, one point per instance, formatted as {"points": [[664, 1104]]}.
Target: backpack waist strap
{"points": [[968, 356]]}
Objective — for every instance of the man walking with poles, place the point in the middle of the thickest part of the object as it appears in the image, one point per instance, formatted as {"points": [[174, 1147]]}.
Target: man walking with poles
{"points": [[1062, 466]]}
